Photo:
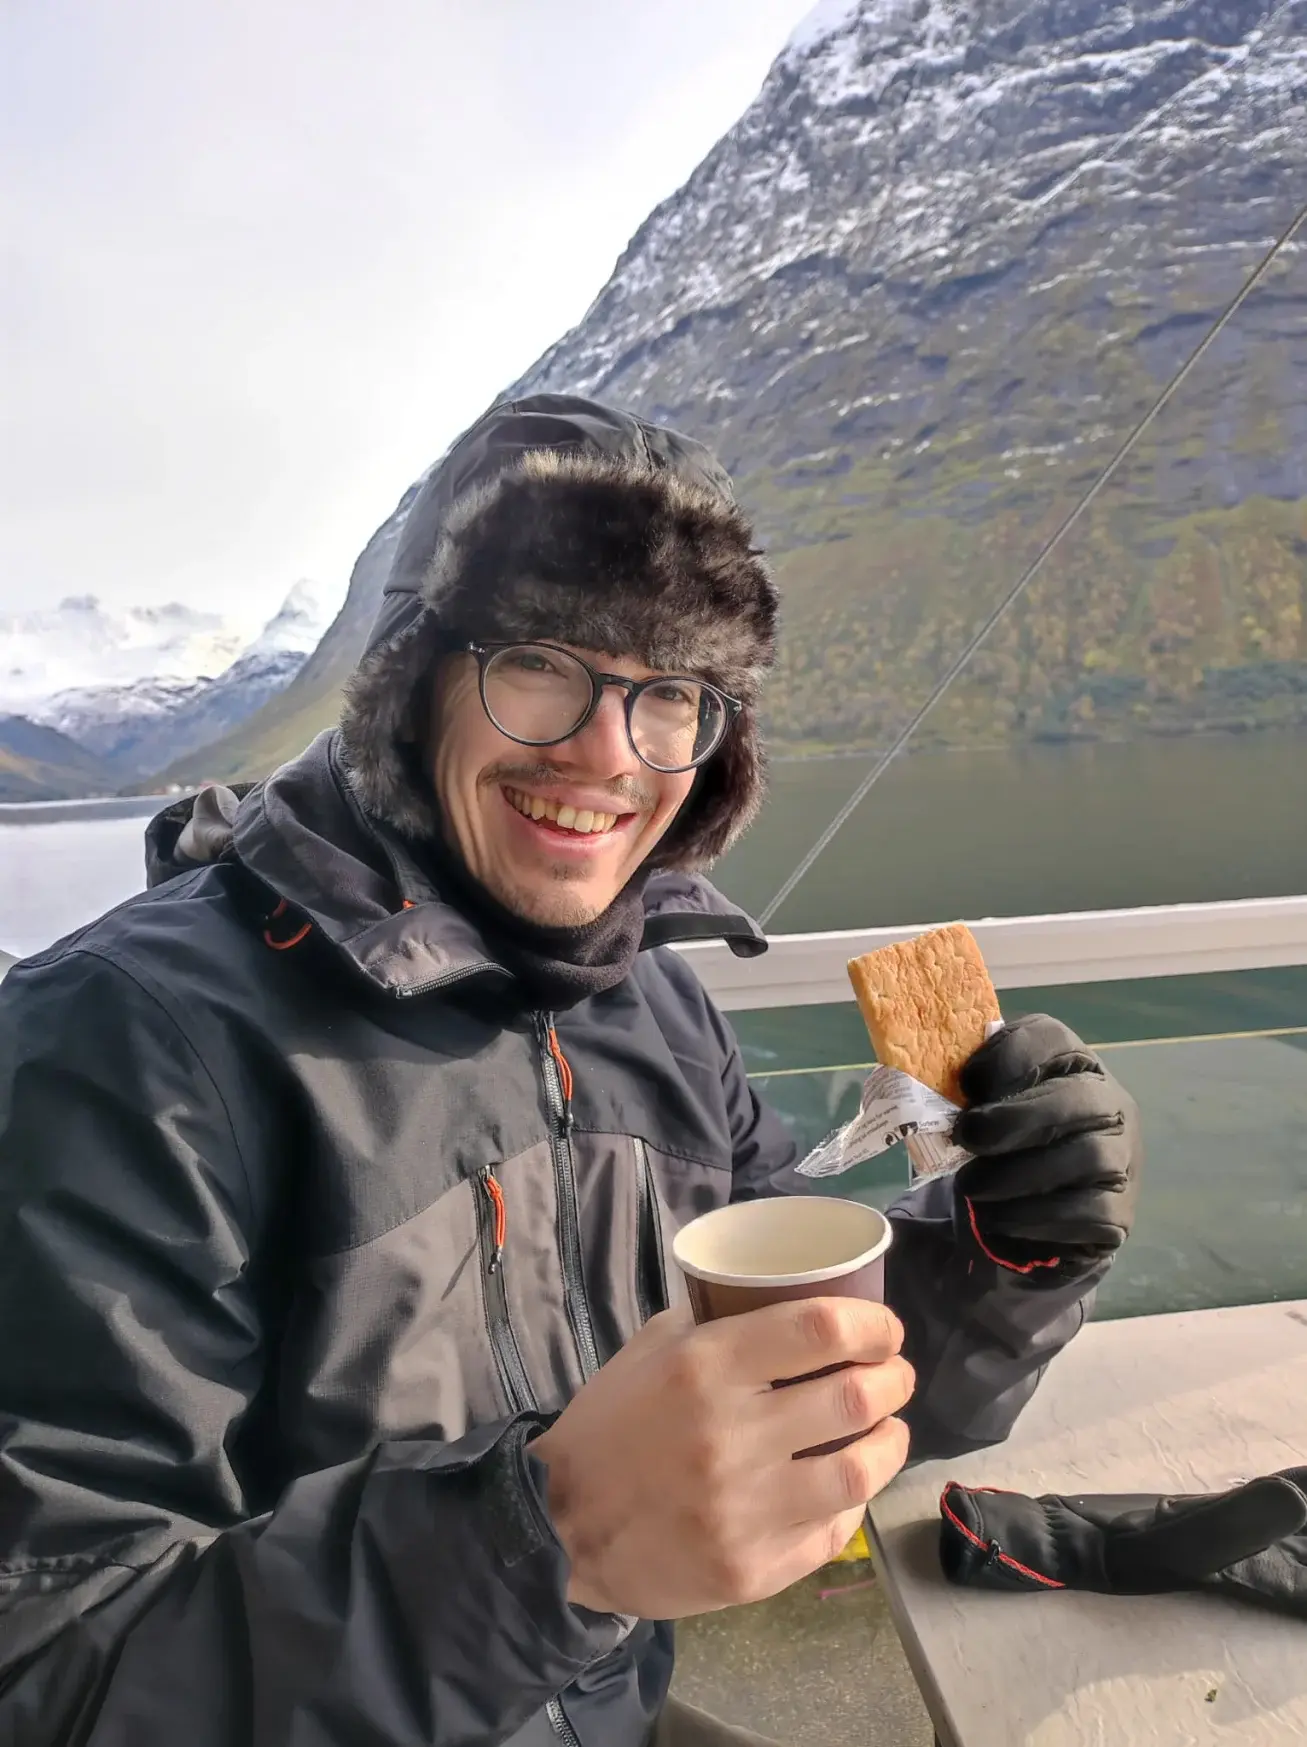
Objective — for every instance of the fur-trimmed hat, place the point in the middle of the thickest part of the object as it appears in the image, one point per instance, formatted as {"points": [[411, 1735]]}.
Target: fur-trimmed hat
{"points": [[557, 518]]}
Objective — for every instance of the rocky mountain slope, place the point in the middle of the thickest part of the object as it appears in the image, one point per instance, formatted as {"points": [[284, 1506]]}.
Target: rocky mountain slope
{"points": [[40, 764], [917, 296]]}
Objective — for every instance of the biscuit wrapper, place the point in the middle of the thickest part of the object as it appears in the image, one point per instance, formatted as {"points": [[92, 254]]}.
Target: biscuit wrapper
{"points": [[895, 1110]]}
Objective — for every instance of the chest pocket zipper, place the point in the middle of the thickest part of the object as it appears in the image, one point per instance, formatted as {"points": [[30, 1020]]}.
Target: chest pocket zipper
{"points": [[650, 1258], [492, 1229], [558, 1091]]}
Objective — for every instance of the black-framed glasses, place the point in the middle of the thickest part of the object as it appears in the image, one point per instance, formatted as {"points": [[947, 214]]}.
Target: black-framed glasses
{"points": [[540, 694]]}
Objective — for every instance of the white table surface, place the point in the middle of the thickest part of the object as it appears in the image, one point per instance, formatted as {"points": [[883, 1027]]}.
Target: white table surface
{"points": [[1166, 1404]]}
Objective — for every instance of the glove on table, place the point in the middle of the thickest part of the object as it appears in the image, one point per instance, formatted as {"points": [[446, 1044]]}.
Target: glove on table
{"points": [[1249, 1542]]}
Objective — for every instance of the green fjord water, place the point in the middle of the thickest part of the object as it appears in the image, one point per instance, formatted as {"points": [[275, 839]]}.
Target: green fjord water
{"points": [[1026, 830], [1223, 1218], [1015, 832]]}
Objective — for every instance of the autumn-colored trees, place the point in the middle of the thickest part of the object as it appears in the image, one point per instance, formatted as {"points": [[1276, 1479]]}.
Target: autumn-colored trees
{"points": [[1139, 623]]}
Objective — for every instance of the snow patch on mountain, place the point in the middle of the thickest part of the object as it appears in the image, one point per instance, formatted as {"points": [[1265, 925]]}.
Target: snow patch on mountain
{"points": [[897, 132], [295, 630], [826, 17], [88, 713], [140, 721], [82, 643]]}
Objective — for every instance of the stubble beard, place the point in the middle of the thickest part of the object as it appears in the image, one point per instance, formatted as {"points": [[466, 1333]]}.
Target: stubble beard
{"points": [[556, 900]]}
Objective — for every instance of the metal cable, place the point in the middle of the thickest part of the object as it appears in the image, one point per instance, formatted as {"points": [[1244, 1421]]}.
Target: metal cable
{"points": [[1033, 569]]}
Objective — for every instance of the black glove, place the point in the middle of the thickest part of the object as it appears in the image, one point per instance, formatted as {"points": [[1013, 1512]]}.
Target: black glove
{"points": [[1051, 1191], [1249, 1542]]}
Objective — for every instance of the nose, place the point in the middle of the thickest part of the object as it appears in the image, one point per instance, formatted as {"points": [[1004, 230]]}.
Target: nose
{"points": [[603, 746]]}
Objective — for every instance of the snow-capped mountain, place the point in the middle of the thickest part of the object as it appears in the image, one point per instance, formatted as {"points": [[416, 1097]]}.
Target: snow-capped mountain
{"points": [[97, 716], [294, 631], [139, 724], [931, 183], [916, 298], [82, 643]]}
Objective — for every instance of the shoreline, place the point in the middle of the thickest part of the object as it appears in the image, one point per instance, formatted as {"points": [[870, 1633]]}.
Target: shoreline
{"points": [[91, 807]]}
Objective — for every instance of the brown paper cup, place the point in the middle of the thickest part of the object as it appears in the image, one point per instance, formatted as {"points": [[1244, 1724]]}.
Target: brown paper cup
{"points": [[780, 1249]]}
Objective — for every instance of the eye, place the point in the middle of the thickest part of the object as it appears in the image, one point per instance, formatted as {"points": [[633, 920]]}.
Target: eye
{"points": [[678, 692], [529, 660]]}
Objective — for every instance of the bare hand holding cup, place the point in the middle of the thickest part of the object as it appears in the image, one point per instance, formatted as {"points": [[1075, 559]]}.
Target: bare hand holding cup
{"points": [[677, 1479]]}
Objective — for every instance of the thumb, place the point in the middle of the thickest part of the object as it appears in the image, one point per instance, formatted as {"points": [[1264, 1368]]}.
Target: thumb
{"points": [[1196, 1539]]}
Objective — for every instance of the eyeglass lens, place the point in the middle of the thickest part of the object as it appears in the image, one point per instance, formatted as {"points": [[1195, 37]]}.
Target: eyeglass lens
{"points": [[541, 696]]}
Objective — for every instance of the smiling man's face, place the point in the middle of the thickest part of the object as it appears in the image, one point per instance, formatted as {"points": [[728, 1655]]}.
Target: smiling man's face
{"points": [[553, 832]]}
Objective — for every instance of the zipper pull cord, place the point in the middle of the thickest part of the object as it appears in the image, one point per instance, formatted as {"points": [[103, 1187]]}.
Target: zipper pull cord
{"points": [[564, 1071], [494, 1189]]}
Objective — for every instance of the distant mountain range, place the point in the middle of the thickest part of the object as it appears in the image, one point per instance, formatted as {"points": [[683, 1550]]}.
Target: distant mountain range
{"points": [[92, 701], [40, 764], [916, 297]]}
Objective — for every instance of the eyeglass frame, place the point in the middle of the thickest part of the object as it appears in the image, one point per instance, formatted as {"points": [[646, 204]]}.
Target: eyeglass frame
{"points": [[599, 682]]}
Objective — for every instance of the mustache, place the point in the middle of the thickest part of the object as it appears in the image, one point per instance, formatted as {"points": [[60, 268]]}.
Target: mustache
{"points": [[628, 794]]}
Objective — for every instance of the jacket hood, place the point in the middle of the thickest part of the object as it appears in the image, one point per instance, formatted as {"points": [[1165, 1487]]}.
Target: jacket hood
{"points": [[314, 862], [556, 517]]}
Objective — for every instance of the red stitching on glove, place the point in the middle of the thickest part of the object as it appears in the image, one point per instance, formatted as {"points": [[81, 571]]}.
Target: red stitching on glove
{"points": [[1012, 1267], [976, 1541]]}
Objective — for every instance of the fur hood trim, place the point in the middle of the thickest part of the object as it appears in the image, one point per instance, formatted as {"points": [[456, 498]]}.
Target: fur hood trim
{"points": [[611, 549]]}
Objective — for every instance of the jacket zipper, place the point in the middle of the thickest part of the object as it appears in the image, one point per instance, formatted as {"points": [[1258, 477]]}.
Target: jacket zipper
{"points": [[503, 1342], [447, 980], [650, 1262], [491, 1228], [561, 1726], [558, 1091]]}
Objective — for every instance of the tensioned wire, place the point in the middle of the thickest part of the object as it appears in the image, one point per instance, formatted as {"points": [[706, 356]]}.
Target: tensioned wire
{"points": [[1032, 570], [1270, 1033]]}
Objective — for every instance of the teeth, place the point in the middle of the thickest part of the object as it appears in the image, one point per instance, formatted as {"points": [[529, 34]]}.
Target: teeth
{"points": [[585, 821]]}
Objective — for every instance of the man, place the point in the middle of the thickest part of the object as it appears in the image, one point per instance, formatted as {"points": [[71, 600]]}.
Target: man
{"points": [[339, 1399]]}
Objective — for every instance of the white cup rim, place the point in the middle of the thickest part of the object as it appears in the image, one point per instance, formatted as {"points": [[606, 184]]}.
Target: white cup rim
{"points": [[808, 1276]]}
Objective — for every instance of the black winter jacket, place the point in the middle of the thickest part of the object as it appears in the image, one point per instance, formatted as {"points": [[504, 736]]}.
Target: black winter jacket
{"points": [[305, 1225]]}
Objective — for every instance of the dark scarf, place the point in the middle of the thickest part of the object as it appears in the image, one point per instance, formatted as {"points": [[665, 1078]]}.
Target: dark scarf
{"points": [[555, 967]]}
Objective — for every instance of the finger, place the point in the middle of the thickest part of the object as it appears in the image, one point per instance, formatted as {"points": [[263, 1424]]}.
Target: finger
{"points": [[825, 1487], [806, 1548], [1083, 1104], [1077, 1219], [1087, 1161], [764, 1346], [1024, 1053], [845, 1404]]}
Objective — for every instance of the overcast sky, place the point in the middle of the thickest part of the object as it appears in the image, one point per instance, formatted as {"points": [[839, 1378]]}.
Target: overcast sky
{"points": [[264, 258]]}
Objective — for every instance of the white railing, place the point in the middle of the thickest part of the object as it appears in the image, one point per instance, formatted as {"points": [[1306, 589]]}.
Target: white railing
{"points": [[1093, 946]]}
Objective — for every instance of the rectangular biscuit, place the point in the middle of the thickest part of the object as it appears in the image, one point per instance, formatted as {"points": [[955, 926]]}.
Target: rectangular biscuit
{"points": [[927, 1004]]}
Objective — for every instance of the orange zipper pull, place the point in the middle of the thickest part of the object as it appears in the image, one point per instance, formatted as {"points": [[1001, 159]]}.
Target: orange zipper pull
{"points": [[292, 940], [564, 1067], [494, 1189]]}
